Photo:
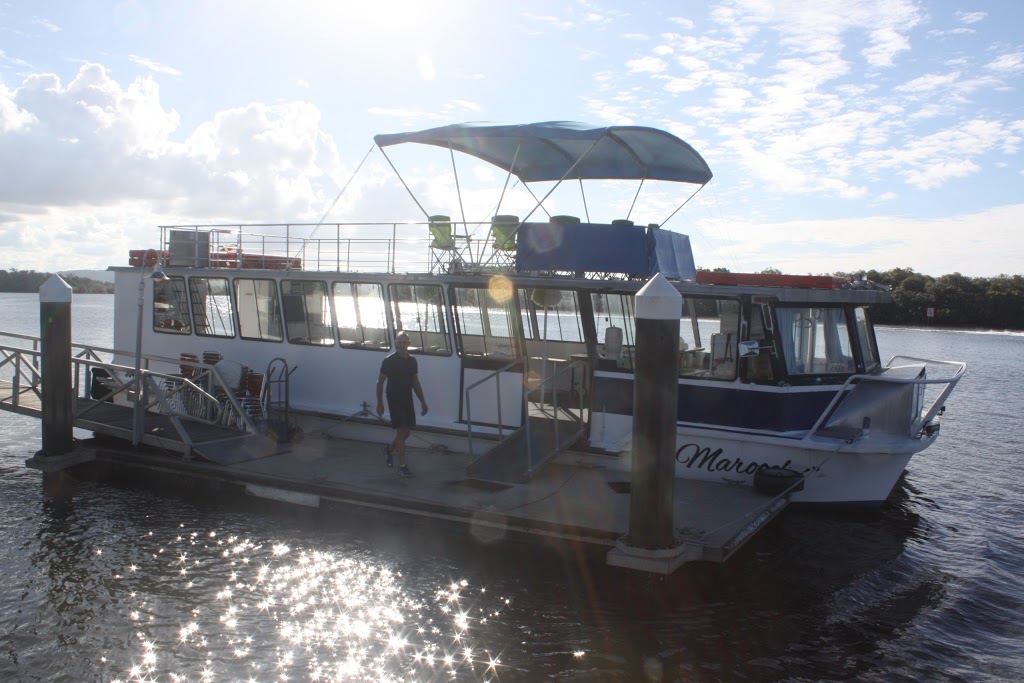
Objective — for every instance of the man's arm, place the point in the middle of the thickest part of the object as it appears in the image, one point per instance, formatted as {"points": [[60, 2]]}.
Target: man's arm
{"points": [[380, 394], [419, 393]]}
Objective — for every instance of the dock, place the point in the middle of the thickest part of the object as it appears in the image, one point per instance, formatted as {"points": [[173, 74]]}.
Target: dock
{"points": [[569, 498]]}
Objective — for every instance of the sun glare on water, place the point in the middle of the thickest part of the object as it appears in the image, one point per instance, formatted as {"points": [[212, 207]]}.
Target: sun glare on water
{"points": [[264, 611]]}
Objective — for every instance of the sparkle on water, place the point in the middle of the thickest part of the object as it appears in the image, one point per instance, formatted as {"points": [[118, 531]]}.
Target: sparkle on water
{"points": [[285, 614]]}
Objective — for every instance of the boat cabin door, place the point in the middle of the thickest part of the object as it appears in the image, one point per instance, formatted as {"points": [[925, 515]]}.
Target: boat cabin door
{"points": [[492, 370]]}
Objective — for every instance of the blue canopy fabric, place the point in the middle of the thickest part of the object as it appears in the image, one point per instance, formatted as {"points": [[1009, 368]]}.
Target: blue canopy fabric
{"points": [[603, 248], [547, 151]]}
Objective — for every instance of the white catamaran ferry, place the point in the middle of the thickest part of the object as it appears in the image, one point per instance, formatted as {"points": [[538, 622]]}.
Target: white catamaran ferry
{"points": [[524, 332]]}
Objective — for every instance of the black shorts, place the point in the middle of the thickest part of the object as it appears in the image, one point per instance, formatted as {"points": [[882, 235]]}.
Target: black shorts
{"points": [[402, 411]]}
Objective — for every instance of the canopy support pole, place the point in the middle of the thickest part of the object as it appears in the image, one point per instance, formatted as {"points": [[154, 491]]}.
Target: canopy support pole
{"points": [[541, 201], [583, 194], [683, 204], [402, 180], [458, 188], [501, 198], [636, 196], [288, 265]]}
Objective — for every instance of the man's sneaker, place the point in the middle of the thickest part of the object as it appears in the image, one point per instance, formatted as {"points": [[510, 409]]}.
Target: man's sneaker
{"points": [[388, 459], [404, 471]]}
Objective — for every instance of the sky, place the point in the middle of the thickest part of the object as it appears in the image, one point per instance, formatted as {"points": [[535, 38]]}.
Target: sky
{"points": [[843, 134]]}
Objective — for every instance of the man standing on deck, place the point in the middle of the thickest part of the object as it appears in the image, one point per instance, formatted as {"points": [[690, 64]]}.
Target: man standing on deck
{"points": [[401, 372]]}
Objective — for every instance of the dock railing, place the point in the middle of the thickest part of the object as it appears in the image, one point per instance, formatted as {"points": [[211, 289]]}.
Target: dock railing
{"points": [[201, 398]]}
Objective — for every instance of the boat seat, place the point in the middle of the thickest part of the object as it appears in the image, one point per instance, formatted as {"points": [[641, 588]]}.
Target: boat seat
{"points": [[441, 231], [442, 244], [503, 233]]}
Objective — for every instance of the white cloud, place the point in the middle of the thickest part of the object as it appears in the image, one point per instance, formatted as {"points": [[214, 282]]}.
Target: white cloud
{"points": [[935, 246], [970, 17], [682, 21], [12, 117], [651, 65], [47, 24], [467, 105], [425, 66], [100, 157], [550, 20], [929, 82], [1011, 63], [154, 66]]}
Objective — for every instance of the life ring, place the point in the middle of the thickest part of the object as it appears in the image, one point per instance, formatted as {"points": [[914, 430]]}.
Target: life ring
{"points": [[774, 480]]}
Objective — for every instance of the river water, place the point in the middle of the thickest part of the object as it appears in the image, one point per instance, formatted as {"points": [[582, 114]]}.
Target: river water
{"points": [[126, 584]]}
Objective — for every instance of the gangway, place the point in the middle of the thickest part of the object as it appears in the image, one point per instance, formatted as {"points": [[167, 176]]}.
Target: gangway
{"points": [[549, 428], [196, 416]]}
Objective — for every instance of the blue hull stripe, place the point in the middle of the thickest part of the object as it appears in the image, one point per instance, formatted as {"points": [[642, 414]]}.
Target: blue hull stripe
{"points": [[725, 406]]}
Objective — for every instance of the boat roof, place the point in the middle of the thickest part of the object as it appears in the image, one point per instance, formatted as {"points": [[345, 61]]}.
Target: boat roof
{"points": [[557, 150]]}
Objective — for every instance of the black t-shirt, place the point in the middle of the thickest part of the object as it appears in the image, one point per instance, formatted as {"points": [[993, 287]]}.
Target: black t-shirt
{"points": [[399, 372]]}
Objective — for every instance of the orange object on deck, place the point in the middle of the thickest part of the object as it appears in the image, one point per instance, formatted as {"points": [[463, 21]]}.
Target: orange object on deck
{"points": [[152, 256], [707, 277]]}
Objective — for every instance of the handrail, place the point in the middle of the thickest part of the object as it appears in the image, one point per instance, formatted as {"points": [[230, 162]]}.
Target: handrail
{"points": [[469, 404], [916, 426], [578, 420], [122, 380], [369, 246]]}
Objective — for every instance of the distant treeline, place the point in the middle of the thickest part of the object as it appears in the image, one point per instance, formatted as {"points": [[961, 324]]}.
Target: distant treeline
{"points": [[29, 281], [955, 300]]}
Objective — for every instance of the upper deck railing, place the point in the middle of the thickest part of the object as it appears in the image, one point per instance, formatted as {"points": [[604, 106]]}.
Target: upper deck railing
{"points": [[336, 247]]}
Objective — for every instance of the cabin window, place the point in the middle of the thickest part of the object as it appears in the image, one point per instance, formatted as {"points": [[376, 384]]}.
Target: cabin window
{"points": [[259, 315], [307, 312], [708, 338], [486, 323], [815, 341], [759, 367], [211, 306], [362, 315], [170, 306], [562, 322], [418, 311], [615, 311], [866, 336], [552, 325]]}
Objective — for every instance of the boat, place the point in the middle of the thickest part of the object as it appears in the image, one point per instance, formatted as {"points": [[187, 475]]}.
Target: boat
{"points": [[523, 328]]}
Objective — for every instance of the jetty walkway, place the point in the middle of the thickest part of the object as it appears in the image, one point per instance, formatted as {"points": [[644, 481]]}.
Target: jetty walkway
{"points": [[569, 498]]}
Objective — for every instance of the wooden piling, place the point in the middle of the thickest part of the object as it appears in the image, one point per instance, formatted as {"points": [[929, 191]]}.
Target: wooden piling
{"points": [[55, 365], [655, 401], [651, 544]]}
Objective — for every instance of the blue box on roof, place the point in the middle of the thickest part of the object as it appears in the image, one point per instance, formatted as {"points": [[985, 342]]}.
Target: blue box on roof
{"points": [[604, 248]]}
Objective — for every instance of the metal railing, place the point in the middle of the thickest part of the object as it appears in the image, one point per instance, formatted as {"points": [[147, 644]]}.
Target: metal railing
{"points": [[333, 247], [547, 387], [496, 376], [203, 397], [923, 417]]}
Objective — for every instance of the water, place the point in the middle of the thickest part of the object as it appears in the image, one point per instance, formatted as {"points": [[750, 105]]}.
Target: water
{"points": [[122, 584]]}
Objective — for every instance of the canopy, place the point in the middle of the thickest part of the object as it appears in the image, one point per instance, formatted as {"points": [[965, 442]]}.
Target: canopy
{"points": [[547, 151]]}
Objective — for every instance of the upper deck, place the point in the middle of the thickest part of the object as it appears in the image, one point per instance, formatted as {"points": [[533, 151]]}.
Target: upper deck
{"points": [[458, 250]]}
